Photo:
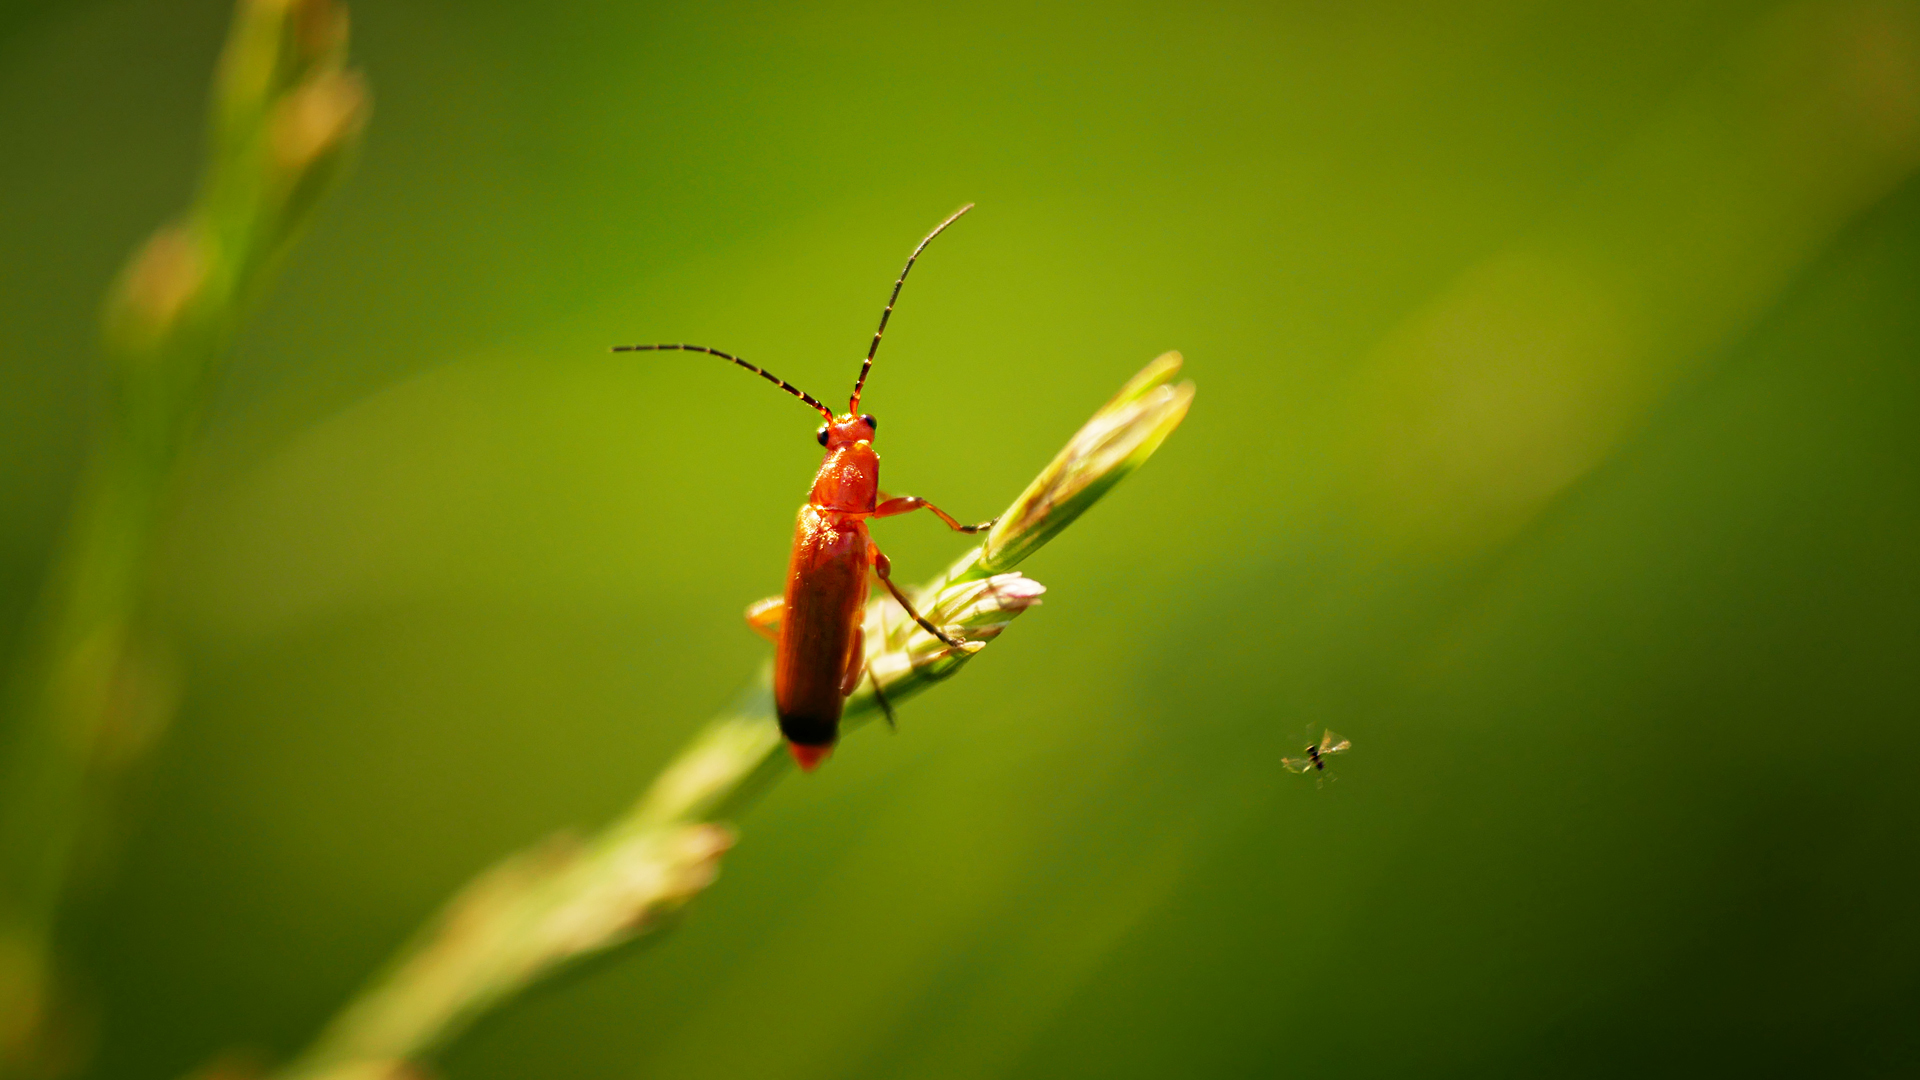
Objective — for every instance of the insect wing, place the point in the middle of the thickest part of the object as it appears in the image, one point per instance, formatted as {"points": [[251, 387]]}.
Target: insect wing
{"points": [[1297, 764], [1331, 743]]}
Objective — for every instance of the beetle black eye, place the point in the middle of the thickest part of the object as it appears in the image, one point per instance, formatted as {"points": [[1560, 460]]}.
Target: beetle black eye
{"points": [[872, 424], [821, 434]]}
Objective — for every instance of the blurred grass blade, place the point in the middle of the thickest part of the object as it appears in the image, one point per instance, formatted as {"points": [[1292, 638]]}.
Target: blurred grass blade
{"points": [[1540, 361], [96, 687]]}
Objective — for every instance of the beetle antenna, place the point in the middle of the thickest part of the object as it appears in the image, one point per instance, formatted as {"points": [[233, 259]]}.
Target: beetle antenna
{"points": [[867, 364], [760, 371]]}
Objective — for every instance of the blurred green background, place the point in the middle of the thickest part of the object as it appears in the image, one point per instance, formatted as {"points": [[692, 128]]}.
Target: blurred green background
{"points": [[1558, 441]]}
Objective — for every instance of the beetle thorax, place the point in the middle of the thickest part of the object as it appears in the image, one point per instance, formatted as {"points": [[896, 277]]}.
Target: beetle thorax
{"points": [[849, 476], [848, 480]]}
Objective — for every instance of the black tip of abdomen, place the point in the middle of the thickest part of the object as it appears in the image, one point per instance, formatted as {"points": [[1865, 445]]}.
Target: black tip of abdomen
{"points": [[810, 730]]}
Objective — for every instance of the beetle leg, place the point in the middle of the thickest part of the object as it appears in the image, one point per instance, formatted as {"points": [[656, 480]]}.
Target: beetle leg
{"points": [[764, 617], [860, 666], [907, 504], [885, 569], [879, 695], [856, 662]]}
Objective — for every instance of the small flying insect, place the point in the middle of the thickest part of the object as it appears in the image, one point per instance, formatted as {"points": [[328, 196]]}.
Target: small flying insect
{"points": [[820, 656], [1317, 754]]}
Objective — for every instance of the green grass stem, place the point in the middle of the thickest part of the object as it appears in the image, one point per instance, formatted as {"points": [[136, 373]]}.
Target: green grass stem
{"points": [[541, 910]]}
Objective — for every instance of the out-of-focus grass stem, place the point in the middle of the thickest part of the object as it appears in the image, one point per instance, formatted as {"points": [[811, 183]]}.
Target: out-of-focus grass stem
{"points": [[96, 685]]}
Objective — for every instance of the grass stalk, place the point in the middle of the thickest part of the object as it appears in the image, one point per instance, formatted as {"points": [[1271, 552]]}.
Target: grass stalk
{"points": [[543, 909]]}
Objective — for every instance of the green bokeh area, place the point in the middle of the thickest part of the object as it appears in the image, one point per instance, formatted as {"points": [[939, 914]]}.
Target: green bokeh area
{"points": [[1557, 441]]}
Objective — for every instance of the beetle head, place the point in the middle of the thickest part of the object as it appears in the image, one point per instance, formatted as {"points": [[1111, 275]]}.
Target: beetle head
{"points": [[845, 430]]}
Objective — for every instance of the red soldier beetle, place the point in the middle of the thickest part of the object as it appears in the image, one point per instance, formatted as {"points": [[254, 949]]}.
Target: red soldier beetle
{"points": [[817, 624]]}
